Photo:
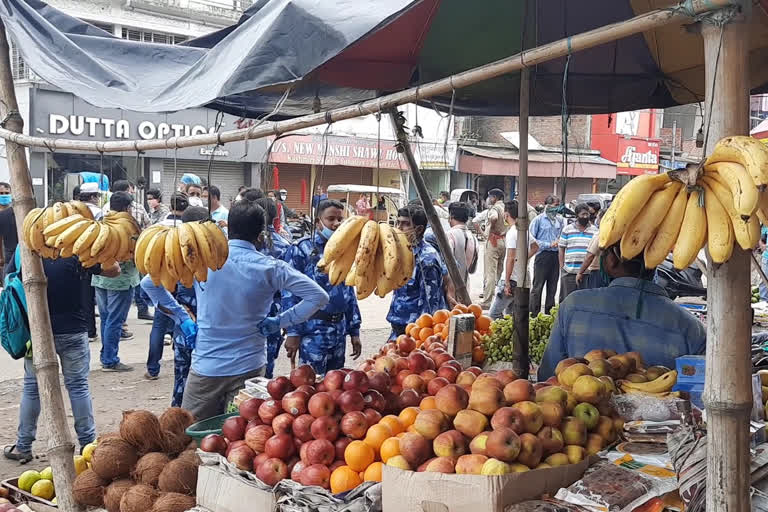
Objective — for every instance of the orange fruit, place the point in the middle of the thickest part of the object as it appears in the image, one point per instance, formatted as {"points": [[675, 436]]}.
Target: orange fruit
{"points": [[359, 455], [373, 473], [438, 328], [425, 333], [462, 308], [412, 430], [401, 434], [478, 355], [408, 416], [393, 422], [475, 310], [455, 312], [375, 436], [445, 332], [441, 316], [425, 320], [344, 479], [409, 327], [414, 332], [483, 323], [389, 448], [428, 403]]}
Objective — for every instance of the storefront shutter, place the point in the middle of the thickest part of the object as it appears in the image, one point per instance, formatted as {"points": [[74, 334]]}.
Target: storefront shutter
{"points": [[228, 176], [291, 175]]}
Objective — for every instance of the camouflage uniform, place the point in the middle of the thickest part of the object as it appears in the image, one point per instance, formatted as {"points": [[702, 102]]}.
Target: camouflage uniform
{"points": [[182, 355], [423, 293], [323, 337], [280, 249]]}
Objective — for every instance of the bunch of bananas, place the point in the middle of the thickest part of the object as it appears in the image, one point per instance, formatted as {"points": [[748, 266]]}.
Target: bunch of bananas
{"points": [[369, 256], [67, 229], [181, 253], [660, 386], [656, 215]]}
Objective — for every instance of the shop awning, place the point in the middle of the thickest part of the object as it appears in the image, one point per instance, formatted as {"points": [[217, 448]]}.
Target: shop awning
{"points": [[339, 53], [492, 161]]}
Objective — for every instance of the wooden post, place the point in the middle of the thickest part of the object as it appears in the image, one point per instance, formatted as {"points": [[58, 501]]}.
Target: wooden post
{"points": [[60, 447], [522, 292], [462, 295], [728, 392]]}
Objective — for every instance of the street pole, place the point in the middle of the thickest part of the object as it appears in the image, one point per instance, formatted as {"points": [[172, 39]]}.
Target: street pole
{"points": [[521, 292], [462, 295], [674, 141], [727, 391], [60, 447]]}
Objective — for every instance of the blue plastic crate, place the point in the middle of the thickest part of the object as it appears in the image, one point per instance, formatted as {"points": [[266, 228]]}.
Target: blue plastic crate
{"points": [[695, 390], [690, 369]]}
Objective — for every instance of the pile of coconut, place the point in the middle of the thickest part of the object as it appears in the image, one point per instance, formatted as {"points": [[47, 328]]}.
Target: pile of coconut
{"points": [[150, 465]]}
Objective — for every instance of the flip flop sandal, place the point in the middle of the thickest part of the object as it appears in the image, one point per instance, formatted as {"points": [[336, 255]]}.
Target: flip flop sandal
{"points": [[9, 452]]}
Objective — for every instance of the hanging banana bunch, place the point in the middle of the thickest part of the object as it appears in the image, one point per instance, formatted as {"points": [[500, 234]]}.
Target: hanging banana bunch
{"points": [[68, 229], [182, 253], [655, 215], [369, 256]]}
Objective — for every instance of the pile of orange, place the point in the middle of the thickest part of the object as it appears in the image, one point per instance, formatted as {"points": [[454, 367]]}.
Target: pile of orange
{"points": [[430, 327], [364, 459]]}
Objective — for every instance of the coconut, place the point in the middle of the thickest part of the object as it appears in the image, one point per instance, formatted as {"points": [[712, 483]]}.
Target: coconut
{"points": [[115, 493], [142, 430], [113, 458], [149, 467], [102, 437], [191, 456], [176, 420], [173, 502], [138, 498], [173, 443], [88, 489], [180, 476]]}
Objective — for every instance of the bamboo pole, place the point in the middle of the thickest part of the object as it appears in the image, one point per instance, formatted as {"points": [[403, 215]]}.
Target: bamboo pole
{"points": [[728, 392], [521, 292], [682, 12], [462, 295], [60, 447]]}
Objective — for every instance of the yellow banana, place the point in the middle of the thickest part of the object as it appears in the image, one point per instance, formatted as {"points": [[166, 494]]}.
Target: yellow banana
{"points": [[173, 254], [187, 278], [66, 211], [389, 252], [627, 205], [207, 249], [81, 208], [101, 240], [36, 238], [219, 240], [32, 228], [405, 256], [367, 275], [351, 279], [82, 246], [141, 245], [747, 233], [339, 269], [189, 250], [343, 236], [30, 218], [383, 283], [153, 255], [58, 212], [693, 232], [51, 241], [644, 226], [719, 228], [62, 225], [748, 151], [49, 253], [740, 183], [367, 248], [662, 242], [661, 384], [69, 236], [48, 218], [167, 279], [201, 273]]}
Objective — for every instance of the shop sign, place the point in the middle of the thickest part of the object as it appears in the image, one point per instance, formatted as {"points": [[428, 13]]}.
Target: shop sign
{"points": [[120, 128], [336, 150], [637, 156]]}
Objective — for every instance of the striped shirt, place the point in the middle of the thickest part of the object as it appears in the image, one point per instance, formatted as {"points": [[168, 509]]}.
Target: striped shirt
{"points": [[575, 243]]}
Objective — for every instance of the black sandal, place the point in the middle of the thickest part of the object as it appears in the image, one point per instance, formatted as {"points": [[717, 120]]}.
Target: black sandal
{"points": [[9, 452]]}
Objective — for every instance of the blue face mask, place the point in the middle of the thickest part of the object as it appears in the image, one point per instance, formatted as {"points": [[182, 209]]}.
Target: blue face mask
{"points": [[327, 233], [5, 199]]}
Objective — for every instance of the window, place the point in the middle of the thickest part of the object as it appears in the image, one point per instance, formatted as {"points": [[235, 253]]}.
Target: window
{"points": [[152, 37], [106, 27], [19, 68]]}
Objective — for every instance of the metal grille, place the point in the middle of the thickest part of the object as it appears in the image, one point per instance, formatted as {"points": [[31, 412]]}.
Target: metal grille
{"points": [[152, 37], [19, 68]]}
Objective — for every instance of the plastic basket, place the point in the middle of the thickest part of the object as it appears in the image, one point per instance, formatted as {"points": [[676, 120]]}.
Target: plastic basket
{"points": [[207, 427]]}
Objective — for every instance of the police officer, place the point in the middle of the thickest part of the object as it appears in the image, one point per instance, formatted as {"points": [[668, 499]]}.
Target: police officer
{"points": [[321, 341], [277, 246], [425, 291]]}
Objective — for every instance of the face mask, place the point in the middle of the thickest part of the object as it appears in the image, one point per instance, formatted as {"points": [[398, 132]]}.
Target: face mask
{"points": [[583, 221], [327, 233], [551, 213], [195, 201], [205, 203], [5, 199]]}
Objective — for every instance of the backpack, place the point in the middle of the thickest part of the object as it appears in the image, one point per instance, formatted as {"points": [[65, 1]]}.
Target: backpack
{"points": [[14, 323]]}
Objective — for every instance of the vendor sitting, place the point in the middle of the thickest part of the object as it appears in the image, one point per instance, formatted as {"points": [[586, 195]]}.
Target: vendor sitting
{"points": [[631, 314]]}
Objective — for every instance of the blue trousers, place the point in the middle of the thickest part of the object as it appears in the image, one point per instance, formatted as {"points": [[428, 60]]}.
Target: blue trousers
{"points": [[113, 311], [75, 358], [323, 351], [141, 299], [162, 324], [274, 342], [182, 360]]}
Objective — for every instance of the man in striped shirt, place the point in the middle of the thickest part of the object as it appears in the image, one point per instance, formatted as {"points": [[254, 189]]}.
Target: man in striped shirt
{"points": [[573, 244]]}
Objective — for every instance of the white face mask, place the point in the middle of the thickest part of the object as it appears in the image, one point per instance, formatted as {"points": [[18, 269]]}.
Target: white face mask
{"points": [[195, 201]]}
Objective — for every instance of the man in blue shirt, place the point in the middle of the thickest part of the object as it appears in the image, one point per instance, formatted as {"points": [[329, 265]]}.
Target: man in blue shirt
{"points": [[631, 315], [219, 213], [546, 230], [425, 291], [321, 340]]}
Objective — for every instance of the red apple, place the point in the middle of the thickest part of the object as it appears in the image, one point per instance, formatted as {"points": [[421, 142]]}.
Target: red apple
{"points": [[374, 400], [321, 387], [519, 390], [401, 375], [417, 362], [249, 409], [372, 416], [401, 363], [385, 364], [334, 380], [366, 365], [406, 344], [306, 388], [304, 374], [503, 444], [234, 428], [242, 457], [272, 471], [506, 376], [214, 443], [269, 410], [409, 398], [279, 386], [283, 423], [336, 465], [476, 370], [231, 446], [414, 382], [510, 418], [303, 451], [340, 445], [387, 347], [256, 438], [321, 404], [320, 451], [301, 427], [436, 385], [295, 403], [454, 363], [451, 399], [259, 460], [442, 358], [379, 381], [351, 401], [448, 373], [296, 471], [280, 446], [356, 381], [354, 424], [255, 422], [316, 474], [325, 427]]}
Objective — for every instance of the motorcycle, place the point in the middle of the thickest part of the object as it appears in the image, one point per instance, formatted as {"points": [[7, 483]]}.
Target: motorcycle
{"points": [[680, 283]]}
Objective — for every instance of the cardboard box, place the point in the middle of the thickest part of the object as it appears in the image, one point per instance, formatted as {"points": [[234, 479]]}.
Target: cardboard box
{"points": [[222, 491], [438, 492]]}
